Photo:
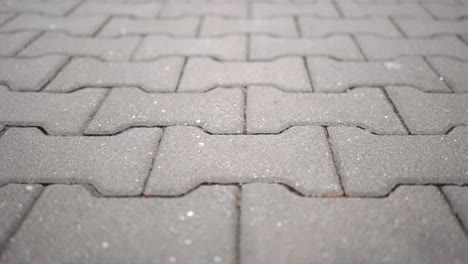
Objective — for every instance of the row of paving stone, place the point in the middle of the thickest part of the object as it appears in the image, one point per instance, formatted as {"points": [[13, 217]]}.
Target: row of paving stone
{"points": [[222, 110], [56, 73], [238, 9], [414, 224], [170, 163], [212, 26], [230, 48]]}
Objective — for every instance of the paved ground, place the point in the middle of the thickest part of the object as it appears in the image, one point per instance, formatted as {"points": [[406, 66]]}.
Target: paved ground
{"points": [[222, 131]]}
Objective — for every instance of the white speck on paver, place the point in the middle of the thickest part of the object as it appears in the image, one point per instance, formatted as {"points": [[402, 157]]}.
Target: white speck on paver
{"points": [[163, 111], [198, 121], [188, 242], [279, 224], [201, 144], [105, 244], [190, 213], [29, 188], [172, 259], [217, 259], [392, 65], [441, 78]]}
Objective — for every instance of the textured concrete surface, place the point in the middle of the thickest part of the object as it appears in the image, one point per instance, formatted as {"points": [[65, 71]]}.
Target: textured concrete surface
{"points": [[452, 72], [108, 49], [75, 227], [17, 72], [218, 111], [233, 131], [413, 225], [154, 76], [298, 157], [329, 75], [372, 165], [364, 107], [201, 74], [15, 202], [114, 165], [430, 113], [66, 114]]}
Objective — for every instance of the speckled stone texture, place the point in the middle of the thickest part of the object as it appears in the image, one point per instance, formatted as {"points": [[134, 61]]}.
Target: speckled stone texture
{"points": [[75, 227], [453, 72], [15, 202], [201, 74], [430, 113], [29, 74], [114, 165], [372, 165], [299, 158], [218, 111], [337, 76], [412, 225], [233, 131], [57, 114], [364, 107], [154, 76], [458, 198]]}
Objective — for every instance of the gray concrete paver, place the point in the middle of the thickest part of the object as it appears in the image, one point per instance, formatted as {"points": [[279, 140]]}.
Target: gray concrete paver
{"points": [[372, 165], [411, 225], [217, 111], [298, 157], [115, 165], [76, 227], [151, 76]]}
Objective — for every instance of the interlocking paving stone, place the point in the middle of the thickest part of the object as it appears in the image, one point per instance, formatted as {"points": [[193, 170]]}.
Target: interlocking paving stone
{"points": [[458, 198], [126, 9], [76, 227], [154, 76], [441, 11], [321, 9], [319, 27], [102, 48], [382, 48], [228, 9], [72, 25], [14, 42], [413, 225], [185, 27], [371, 165], [217, 111], [267, 47], [299, 157], [411, 10], [56, 8], [56, 113], [15, 200], [115, 165], [218, 26], [201, 74], [224, 48], [430, 113], [336, 76], [428, 28], [452, 71], [271, 110], [29, 74]]}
